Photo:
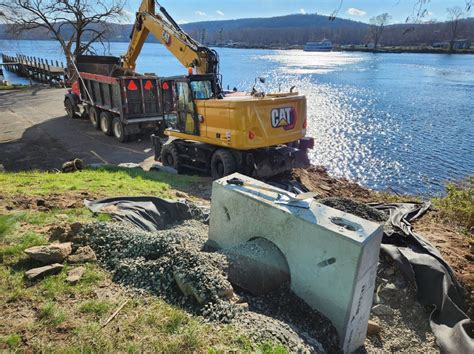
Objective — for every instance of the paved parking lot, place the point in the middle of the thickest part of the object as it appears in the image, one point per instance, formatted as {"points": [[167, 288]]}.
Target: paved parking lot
{"points": [[36, 134]]}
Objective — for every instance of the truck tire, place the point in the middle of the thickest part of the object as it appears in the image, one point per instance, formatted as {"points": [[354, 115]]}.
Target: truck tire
{"points": [[106, 123], [70, 109], [222, 164], [170, 156], [94, 117], [119, 130]]}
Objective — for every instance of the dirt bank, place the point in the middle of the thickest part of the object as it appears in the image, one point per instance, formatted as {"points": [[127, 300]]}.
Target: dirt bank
{"points": [[452, 242]]}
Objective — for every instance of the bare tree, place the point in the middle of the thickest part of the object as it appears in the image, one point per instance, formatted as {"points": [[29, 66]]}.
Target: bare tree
{"points": [[377, 25], [454, 15], [76, 24]]}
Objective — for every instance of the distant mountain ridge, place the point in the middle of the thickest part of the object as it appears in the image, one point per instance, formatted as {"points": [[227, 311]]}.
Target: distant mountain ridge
{"points": [[291, 30], [287, 21]]}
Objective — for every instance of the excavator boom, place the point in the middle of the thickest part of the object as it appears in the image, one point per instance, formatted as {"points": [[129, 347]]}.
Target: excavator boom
{"points": [[189, 52]]}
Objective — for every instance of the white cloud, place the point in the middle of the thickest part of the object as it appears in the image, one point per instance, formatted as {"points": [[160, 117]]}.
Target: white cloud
{"points": [[355, 12], [128, 16], [303, 11], [220, 13], [200, 13]]}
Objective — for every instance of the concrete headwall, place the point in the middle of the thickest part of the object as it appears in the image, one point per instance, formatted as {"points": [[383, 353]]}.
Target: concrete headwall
{"points": [[332, 256]]}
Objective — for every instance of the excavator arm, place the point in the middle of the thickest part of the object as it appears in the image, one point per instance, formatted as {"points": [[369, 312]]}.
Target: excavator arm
{"points": [[188, 51]]}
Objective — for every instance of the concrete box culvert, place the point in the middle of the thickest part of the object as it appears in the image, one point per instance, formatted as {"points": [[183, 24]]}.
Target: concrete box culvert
{"points": [[331, 255], [257, 266]]}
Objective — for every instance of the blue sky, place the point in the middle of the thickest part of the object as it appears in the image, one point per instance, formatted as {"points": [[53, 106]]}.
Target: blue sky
{"points": [[361, 10]]}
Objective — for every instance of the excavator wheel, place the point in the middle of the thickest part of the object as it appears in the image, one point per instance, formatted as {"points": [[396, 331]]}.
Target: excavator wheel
{"points": [[170, 156], [222, 164]]}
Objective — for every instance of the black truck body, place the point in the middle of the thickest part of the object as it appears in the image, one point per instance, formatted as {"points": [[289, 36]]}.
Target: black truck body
{"points": [[116, 103]]}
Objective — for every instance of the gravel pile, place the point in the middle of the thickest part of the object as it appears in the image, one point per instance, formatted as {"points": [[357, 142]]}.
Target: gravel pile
{"points": [[175, 265], [283, 307], [404, 322], [363, 211], [168, 263]]}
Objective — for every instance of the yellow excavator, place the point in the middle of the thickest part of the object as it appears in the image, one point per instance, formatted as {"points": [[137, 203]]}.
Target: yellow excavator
{"points": [[211, 130]]}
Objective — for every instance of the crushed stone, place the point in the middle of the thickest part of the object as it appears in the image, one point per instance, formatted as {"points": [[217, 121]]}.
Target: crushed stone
{"points": [[404, 323], [350, 206], [148, 262]]}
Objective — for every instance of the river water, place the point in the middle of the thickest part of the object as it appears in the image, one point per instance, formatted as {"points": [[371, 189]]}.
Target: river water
{"points": [[401, 122]]}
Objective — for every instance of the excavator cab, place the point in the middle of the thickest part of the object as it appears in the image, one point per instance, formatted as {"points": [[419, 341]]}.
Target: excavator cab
{"points": [[178, 106], [179, 95]]}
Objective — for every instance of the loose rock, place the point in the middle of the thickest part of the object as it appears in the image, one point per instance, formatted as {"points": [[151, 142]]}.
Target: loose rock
{"points": [[37, 273], [53, 253], [373, 328], [382, 310], [75, 274], [389, 291], [75, 228], [180, 194], [58, 233], [83, 255]]}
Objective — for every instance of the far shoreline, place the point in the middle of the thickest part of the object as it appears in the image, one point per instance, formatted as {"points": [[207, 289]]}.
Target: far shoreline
{"points": [[388, 49]]}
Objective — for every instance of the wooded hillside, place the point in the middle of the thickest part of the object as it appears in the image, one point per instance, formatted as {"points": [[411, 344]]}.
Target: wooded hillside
{"points": [[294, 30]]}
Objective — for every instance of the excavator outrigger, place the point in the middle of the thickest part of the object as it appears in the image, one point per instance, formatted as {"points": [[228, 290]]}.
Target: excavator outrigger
{"points": [[200, 125]]}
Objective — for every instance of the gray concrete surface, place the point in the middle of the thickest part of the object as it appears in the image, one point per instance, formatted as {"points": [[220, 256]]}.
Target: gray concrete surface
{"points": [[36, 134], [331, 255]]}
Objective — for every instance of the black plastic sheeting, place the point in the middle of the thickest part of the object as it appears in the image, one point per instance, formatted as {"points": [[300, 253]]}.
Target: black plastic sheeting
{"points": [[434, 279], [147, 213], [420, 261]]}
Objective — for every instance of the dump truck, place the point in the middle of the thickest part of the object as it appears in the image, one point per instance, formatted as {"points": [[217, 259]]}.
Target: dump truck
{"points": [[116, 103], [201, 127]]}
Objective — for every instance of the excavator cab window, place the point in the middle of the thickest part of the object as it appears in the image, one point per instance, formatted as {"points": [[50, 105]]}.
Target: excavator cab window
{"points": [[202, 89], [187, 118]]}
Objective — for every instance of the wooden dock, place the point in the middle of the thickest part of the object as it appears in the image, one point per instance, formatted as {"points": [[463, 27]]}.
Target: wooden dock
{"points": [[33, 68]]}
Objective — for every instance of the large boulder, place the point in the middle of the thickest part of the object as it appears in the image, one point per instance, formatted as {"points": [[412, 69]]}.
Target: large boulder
{"points": [[37, 273], [53, 253]]}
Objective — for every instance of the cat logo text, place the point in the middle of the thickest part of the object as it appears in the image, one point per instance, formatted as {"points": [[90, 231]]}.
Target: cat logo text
{"points": [[284, 117]]}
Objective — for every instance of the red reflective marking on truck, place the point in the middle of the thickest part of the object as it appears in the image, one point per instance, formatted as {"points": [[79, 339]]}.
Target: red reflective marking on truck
{"points": [[148, 85], [166, 86], [76, 88], [132, 86]]}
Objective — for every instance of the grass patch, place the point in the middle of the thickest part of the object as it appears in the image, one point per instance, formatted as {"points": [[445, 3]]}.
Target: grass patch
{"points": [[59, 317], [105, 181], [11, 341], [6, 224], [12, 87], [26, 240], [51, 314], [96, 307], [458, 204]]}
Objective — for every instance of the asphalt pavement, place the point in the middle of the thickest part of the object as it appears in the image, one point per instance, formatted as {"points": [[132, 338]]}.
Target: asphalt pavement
{"points": [[35, 133]]}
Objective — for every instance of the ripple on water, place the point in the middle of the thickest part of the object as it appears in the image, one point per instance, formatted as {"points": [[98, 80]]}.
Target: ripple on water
{"points": [[374, 134]]}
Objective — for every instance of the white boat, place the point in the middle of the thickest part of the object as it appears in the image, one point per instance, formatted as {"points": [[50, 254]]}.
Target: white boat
{"points": [[324, 46]]}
